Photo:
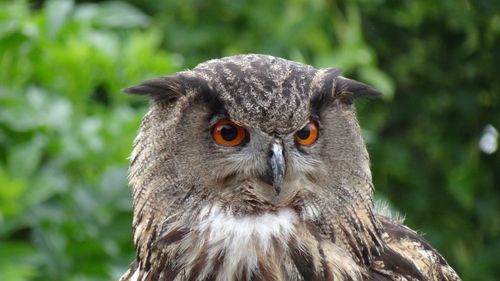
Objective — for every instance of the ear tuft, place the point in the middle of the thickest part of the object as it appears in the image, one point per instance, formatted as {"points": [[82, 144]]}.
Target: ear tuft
{"points": [[165, 88], [346, 90]]}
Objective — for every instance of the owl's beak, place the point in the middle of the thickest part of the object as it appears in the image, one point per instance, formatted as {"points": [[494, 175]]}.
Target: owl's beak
{"points": [[277, 162]]}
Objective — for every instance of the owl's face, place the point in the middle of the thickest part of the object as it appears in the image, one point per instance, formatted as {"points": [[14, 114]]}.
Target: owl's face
{"points": [[249, 169], [253, 133]]}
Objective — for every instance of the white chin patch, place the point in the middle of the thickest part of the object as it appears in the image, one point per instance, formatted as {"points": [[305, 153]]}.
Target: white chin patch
{"points": [[244, 229], [244, 238]]}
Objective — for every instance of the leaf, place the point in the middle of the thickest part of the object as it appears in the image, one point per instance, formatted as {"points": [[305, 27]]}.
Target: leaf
{"points": [[120, 15], [11, 191], [24, 159], [18, 261], [58, 12]]}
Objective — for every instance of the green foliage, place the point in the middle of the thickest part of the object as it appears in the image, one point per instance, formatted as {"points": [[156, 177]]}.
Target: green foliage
{"points": [[66, 128], [65, 132]]}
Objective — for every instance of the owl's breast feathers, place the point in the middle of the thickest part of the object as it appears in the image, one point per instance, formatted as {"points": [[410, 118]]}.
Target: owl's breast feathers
{"points": [[281, 246]]}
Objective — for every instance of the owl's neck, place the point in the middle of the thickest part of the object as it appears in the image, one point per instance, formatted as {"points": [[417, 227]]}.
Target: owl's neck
{"points": [[279, 245]]}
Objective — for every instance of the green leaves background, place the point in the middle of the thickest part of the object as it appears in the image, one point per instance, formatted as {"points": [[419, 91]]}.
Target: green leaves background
{"points": [[66, 128]]}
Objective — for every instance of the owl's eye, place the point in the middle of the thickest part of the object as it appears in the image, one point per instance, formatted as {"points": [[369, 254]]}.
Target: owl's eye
{"points": [[227, 133], [307, 135]]}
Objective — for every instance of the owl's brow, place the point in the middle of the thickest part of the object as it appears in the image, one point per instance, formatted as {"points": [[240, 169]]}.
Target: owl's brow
{"points": [[318, 102], [211, 99]]}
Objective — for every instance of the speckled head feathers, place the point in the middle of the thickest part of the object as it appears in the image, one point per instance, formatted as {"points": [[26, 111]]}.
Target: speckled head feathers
{"points": [[273, 94]]}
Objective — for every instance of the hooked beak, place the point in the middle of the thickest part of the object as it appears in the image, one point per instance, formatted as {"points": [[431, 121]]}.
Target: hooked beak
{"points": [[277, 162]]}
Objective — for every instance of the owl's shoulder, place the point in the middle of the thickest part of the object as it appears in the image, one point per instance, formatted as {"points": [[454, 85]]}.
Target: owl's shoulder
{"points": [[408, 256]]}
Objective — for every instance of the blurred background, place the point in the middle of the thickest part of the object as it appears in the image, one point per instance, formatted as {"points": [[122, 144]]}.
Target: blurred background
{"points": [[66, 128]]}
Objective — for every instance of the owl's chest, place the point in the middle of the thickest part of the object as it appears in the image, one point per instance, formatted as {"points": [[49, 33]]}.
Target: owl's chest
{"points": [[217, 245], [239, 247], [273, 246]]}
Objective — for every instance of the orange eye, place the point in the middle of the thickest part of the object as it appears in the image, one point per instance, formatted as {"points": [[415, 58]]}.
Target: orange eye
{"points": [[307, 135], [227, 133]]}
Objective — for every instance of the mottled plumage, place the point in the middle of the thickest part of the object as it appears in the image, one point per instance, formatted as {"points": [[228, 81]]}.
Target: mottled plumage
{"points": [[268, 208]]}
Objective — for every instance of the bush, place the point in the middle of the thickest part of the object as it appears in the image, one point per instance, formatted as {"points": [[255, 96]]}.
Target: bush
{"points": [[65, 133]]}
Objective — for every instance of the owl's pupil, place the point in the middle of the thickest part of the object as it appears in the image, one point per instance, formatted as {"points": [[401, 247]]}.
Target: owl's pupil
{"points": [[304, 133], [228, 132]]}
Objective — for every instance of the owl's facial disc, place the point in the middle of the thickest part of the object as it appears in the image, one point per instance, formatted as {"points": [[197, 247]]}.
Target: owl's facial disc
{"points": [[270, 168]]}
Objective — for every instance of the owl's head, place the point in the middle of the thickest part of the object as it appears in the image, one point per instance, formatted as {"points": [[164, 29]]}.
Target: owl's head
{"points": [[251, 133]]}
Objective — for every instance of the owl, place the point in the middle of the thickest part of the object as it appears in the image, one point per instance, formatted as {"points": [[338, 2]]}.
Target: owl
{"points": [[253, 167]]}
